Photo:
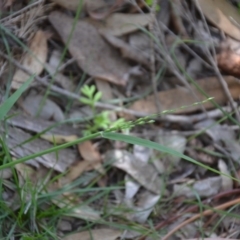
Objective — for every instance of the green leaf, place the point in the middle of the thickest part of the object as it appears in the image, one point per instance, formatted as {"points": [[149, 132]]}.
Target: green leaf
{"points": [[86, 90], [7, 105], [86, 101], [156, 146], [97, 96], [92, 89]]}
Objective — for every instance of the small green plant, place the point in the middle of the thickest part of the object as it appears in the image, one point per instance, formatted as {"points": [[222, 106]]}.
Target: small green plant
{"points": [[90, 96], [150, 3], [102, 120]]}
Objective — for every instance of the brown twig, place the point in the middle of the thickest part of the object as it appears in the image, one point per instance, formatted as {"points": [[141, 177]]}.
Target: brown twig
{"points": [[199, 215], [21, 11], [194, 208], [213, 62]]}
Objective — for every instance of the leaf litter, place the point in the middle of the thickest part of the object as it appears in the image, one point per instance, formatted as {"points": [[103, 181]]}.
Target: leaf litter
{"points": [[125, 191]]}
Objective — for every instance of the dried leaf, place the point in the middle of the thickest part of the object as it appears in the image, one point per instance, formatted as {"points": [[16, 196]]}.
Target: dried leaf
{"points": [[69, 201], [34, 60], [49, 110], [227, 182], [8, 3], [76, 209], [59, 160], [91, 155], [37, 125], [222, 14], [95, 234], [101, 9], [29, 174], [59, 139], [64, 81], [119, 24], [184, 97], [127, 51], [145, 206], [71, 5], [221, 133], [143, 173], [131, 186], [64, 225], [6, 173], [204, 188], [92, 53], [173, 141]]}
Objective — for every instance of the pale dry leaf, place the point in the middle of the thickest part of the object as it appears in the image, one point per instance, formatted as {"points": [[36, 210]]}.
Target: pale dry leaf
{"points": [[173, 141], [145, 206], [36, 177], [222, 14], [64, 225], [227, 182], [190, 230], [66, 200], [142, 153], [61, 79], [59, 139], [167, 99], [221, 133], [72, 202], [76, 209], [34, 60], [177, 14], [119, 24], [91, 155], [126, 50], [59, 160], [49, 110], [101, 9], [8, 3], [76, 171], [95, 234], [143, 173], [131, 186], [53, 64], [204, 188], [105, 88], [6, 173], [38, 125], [91, 52], [70, 4]]}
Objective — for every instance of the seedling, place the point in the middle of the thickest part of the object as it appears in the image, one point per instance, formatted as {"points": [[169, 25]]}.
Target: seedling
{"points": [[101, 121], [90, 96], [150, 3]]}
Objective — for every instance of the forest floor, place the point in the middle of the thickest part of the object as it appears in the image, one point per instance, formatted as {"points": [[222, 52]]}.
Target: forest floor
{"points": [[119, 119]]}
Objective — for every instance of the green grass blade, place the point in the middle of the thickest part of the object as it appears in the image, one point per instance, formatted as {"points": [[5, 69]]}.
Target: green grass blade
{"points": [[158, 147], [7, 105]]}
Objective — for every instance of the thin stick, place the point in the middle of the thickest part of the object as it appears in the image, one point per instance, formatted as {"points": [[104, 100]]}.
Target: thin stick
{"points": [[213, 62], [17, 13], [152, 57], [199, 215]]}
